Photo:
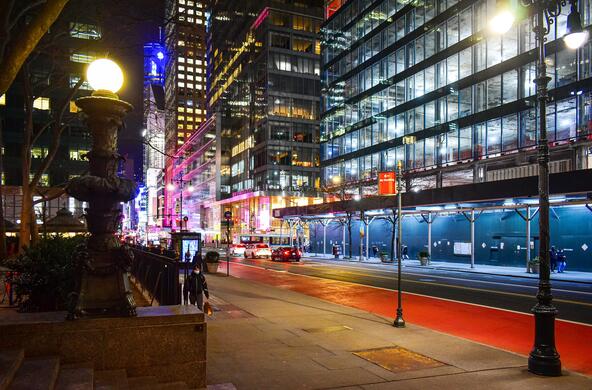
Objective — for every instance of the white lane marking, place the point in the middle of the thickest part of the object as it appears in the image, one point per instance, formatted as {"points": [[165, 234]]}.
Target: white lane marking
{"points": [[454, 278], [419, 295]]}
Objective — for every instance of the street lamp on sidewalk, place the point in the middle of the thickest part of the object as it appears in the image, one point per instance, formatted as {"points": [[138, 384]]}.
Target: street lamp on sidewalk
{"points": [[399, 321], [543, 359]]}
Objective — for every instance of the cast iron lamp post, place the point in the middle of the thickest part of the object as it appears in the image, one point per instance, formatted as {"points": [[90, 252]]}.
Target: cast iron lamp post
{"points": [[399, 321], [103, 287], [171, 187], [543, 359]]}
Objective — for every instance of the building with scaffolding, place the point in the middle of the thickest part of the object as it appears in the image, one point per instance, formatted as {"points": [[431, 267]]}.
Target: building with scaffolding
{"points": [[424, 83]]}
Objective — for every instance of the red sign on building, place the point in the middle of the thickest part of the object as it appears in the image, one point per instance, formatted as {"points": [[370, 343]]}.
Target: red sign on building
{"points": [[387, 183]]}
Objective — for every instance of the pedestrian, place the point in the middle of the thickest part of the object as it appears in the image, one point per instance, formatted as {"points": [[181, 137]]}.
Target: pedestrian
{"points": [[404, 252], [374, 251], [195, 287], [553, 258], [561, 261], [199, 260]]}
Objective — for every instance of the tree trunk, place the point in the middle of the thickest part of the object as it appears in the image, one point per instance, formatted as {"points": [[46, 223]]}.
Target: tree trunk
{"points": [[349, 237], [2, 226], [26, 216]]}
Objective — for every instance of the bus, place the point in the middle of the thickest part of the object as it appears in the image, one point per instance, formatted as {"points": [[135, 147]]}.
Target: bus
{"points": [[273, 240]]}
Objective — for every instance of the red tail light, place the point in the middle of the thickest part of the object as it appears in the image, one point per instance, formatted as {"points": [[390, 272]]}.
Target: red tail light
{"points": [[299, 253], [286, 252]]}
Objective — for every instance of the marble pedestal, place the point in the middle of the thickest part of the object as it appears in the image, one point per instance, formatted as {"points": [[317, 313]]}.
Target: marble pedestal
{"points": [[168, 342]]}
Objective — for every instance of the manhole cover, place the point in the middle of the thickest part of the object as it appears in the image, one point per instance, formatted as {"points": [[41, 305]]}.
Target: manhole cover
{"points": [[397, 359], [328, 329]]}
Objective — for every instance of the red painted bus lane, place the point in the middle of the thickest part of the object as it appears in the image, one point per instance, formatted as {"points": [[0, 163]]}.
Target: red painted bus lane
{"points": [[499, 328]]}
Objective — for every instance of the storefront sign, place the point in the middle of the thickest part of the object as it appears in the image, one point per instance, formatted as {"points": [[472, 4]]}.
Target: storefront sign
{"points": [[387, 183]]}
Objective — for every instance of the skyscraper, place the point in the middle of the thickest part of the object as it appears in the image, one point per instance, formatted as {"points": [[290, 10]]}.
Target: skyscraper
{"points": [[185, 79]]}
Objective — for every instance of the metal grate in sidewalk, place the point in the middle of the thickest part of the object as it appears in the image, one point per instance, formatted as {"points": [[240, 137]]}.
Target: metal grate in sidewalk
{"points": [[397, 359]]}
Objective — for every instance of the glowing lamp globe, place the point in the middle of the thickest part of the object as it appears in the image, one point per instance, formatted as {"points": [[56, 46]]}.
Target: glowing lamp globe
{"points": [[104, 75], [502, 22], [576, 40]]}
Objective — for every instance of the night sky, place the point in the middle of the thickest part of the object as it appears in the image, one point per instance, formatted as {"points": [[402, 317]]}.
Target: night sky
{"points": [[128, 25]]}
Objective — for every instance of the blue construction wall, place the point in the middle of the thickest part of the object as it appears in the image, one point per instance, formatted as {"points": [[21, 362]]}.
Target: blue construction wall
{"points": [[500, 237]]}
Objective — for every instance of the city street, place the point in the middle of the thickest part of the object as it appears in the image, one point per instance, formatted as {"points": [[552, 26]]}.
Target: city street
{"points": [[573, 300], [492, 310]]}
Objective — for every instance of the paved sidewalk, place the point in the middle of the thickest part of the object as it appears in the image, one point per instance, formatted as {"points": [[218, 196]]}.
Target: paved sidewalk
{"points": [[567, 276], [263, 337]]}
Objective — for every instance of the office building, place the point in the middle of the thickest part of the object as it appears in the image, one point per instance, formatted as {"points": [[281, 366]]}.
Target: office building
{"points": [[263, 90], [185, 80]]}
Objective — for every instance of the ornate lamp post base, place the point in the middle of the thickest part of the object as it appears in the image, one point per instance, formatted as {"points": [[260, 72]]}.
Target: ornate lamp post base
{"points": [[104, 287], [544, 359]]}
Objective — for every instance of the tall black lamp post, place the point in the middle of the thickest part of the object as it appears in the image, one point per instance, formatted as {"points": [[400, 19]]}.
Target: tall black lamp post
{"points": [[543, 359]]}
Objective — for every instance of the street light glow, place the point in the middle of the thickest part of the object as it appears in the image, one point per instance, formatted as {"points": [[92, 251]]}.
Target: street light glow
{"points": [[171, 187], [104, 75], [575, 40], [502, 22]]}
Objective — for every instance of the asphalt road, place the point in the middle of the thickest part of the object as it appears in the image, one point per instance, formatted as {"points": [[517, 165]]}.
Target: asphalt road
{"points": [[573, 300]]}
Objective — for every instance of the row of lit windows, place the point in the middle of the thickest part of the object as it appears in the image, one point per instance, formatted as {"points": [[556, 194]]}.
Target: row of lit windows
{"points": [[190, 3], [184, 60], [566, 120], [76, 154], [85, 31], [190, 77], [459, 66], [242, 146], [190, 110], [83, 58], [190, 69], [189, 85]]}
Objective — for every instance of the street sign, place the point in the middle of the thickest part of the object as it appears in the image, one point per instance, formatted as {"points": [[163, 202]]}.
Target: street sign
{"points": [[228, 214], [387, 183]]}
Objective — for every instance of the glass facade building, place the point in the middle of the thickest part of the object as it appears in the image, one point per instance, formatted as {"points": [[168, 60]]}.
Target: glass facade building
{"points": [[432, 70], [264, 90]]}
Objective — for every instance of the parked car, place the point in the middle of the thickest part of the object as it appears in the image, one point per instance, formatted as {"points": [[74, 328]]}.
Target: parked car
{"points": [[257, 250], [286, 253], [237, 250]]}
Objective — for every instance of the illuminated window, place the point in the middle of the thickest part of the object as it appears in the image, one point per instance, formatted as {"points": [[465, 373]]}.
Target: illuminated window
{"points": [[190, 77], [181, 76], [190, 3], [43, 180], [198, 62], [180, 84], [190, 127], [199, 86], [41, 103], [180, 118], [181, 1], [181, 43], [199, 21], [83, 58], [78, 154], [181, 109], [38, 152], [74, 79], [190, 12], [189, 109], [181, 59], [189, 85], [190, 20], [3, 100], [181, 67], [189, 69], [199, 70], [85, 31], [190, 60], [3, 179], [73, 106]]}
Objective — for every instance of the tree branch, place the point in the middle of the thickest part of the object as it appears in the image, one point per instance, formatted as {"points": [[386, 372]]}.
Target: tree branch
{"points": [[23, 11], [57, 129], [26, 41]]}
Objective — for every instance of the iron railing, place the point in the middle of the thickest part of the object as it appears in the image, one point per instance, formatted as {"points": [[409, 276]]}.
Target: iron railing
{"points": [[158, 275]]}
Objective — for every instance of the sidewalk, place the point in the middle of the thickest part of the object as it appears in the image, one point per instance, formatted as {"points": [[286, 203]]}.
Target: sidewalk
{"points": [[264, 337], [520, 272]]}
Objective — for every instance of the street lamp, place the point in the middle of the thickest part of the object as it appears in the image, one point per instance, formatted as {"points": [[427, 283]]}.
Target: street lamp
{"points": [[544, 359], [103, 287], [399, 321]]}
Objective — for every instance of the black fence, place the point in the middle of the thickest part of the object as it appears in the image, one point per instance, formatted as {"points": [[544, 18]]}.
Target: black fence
{"points": [[158, 275]]}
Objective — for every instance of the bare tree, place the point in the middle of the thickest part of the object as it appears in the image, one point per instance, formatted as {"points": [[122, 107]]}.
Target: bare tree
{"points": [[31, 177], [19, 39]]}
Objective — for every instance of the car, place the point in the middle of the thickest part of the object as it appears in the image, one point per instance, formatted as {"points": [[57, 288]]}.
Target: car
{"points": [[286, 253], [238, 249], [257, 250]]}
